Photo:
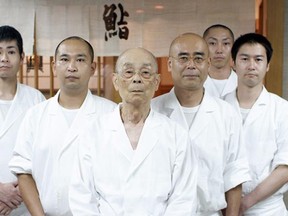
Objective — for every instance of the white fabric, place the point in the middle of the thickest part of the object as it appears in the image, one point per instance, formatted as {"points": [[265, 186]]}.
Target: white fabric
{"points": [[69, 114], [266, 139], [4, 108], [216, 136], [46, 147], [244, 114], [190, 114], [149, 26], [230, 86], [158, 178], [24, 98], [85, 18]]}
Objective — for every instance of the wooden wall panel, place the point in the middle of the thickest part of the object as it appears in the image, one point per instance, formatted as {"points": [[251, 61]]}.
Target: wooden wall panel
{"points": [[275, 33]]}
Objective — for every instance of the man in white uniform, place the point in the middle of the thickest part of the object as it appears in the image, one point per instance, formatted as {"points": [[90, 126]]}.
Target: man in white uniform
{"points": [[46, 143], [214, 130], [265, 128], [221, 78], [15, 99], [134, 161]]}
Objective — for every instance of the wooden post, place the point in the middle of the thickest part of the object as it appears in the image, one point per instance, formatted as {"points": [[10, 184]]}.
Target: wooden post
{"points": [[275, 34], [51, 77], [99, 76]]}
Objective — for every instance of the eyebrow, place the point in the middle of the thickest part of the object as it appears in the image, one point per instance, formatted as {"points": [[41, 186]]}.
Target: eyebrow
{"points": [[147, 65], [67, 55], [194, 53], [127, 65], [10, 47], [247, 55], [81, 55], [131, 65], [213, 38]]}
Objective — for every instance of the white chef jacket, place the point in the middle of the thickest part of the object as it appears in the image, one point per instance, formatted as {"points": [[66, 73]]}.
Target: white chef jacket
{"points": [[46, 147], [266, 138], [216, 135], [158, 178], [24, 98], [230, 86]]}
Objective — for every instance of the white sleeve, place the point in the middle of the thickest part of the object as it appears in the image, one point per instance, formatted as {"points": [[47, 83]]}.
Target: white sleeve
{"points": [[281, 156], [83, 198], [183, 198], [22, 153], [237, 167]]}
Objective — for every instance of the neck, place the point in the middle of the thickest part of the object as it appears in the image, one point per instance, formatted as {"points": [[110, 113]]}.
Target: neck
{"points": [[8, 88], [71, 100], [220, 73], [134, 115], [189, 98], [247, 96]]}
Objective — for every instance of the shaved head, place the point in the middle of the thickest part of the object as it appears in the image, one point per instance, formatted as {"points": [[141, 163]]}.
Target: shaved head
{"points": [[139, 53]]}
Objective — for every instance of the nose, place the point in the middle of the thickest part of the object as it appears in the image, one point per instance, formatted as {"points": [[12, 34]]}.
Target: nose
{"points": [[191, 64], [4, 57], [219, 48], [72, 66], [137, 78], [252, 64]]}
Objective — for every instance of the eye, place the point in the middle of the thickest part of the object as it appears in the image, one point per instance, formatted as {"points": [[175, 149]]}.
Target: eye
{"points": [[63, 59], [183, 58], [212, 43], [11, 52], [244, 59], [128, 73], [146, 74], [81, 60], [258, 59], [198, 59]]}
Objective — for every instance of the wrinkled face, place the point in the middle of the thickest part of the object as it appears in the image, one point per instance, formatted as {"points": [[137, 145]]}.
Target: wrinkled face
{"points": [[73, 65], [191, 73], [136, 78], [251, 65], [220, 43], [10, 59]]}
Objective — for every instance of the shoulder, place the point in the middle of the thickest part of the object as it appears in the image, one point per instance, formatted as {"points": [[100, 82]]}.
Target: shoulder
{"points": [[162, 100], [98, 105], [104, 101], [279, 104], [165, 121], [277, 99], [219, 107], [38, 108], [220, 103], [29, 90]]}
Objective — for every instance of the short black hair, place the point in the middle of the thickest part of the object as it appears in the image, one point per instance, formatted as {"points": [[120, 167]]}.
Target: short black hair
{"points": [[218, 26], [9, 33], [252, 38], [91, 50]]}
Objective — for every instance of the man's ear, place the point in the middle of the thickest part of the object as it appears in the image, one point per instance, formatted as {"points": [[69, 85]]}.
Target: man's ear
{"points": [[209, 62], [22, 56], [268, 67], [169, 64], [54, 68], [115, 81], [157, 81], [93, 68], [233, 66]]}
